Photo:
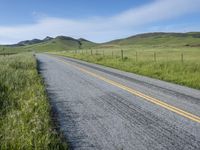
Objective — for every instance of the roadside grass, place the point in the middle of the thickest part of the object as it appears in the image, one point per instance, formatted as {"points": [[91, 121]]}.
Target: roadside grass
{"points": [[168, 65], [25, 121]]}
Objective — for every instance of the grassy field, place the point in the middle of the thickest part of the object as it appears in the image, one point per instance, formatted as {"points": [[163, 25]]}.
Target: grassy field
{"points": [[179, 65], [25, 121]]}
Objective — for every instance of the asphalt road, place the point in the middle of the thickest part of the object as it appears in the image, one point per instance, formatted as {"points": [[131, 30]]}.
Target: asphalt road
{"points": [[103, 108]]}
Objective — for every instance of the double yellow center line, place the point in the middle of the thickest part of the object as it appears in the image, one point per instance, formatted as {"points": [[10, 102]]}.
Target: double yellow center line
{"points": [[139, 94]]}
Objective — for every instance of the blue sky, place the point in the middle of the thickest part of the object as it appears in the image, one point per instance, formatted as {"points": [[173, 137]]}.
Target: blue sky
{"points": [[95, 20]]}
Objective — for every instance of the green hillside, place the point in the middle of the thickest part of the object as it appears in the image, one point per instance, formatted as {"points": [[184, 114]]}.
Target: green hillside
{"points": [[191, 39], [150, 41], [60, 43]]}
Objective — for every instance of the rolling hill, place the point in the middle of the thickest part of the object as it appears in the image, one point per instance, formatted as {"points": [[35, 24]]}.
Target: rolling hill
{"points": [[63, 43], [60, 43], [160, 39]]}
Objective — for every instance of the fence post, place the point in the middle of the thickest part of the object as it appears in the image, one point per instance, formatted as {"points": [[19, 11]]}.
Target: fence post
{"points": [[122, 54], [91, 51], [112, 54], [155, 56], [103, 53], [182, 57]]}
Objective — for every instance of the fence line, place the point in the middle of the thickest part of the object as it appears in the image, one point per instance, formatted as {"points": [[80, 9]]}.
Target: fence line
{"points": [[154, 56]]}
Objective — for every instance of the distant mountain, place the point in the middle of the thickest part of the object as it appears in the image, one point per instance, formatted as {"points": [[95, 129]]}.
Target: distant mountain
{"points": [[157, 38], [34, 41], [28, 42], [58, 43], [48, 38], [64, 43]]}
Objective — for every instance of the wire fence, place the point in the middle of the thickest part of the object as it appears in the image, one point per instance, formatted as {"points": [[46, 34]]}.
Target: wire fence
{"points": [[155, 56]]}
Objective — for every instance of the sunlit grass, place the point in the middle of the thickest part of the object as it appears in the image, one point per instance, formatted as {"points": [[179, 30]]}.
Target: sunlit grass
{"points": [[25, 121]]}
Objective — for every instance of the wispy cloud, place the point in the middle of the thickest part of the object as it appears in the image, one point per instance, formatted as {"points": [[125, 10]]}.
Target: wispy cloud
{"points": [[98, 28]]}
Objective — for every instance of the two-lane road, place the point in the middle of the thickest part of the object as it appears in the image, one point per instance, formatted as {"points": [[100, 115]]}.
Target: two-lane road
{"points": [[104, 108]]}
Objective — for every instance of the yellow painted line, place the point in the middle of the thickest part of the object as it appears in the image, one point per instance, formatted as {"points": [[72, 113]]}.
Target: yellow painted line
{"points": [[139, 94]]}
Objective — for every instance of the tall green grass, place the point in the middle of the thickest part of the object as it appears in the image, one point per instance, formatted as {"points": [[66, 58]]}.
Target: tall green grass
{"points": [[25, 121], [172, 69]]}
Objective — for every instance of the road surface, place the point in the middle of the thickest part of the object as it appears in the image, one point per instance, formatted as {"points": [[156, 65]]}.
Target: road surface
{"points": [[103, 108]]}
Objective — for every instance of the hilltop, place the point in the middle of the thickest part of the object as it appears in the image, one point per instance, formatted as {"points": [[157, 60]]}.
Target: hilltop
{"points": [[59, 43], [64, 43], [160, 39]]}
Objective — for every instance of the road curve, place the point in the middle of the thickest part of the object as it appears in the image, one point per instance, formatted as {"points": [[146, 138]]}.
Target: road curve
{"points": [[103, 108]]}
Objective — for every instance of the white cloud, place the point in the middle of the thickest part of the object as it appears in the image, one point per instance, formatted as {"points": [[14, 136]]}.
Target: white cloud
{"points": [[98, 28]]}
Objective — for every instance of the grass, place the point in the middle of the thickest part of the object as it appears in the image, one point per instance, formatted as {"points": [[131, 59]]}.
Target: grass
{"points": [[168, 65], [25, 121], [59, 43], [149, 41]]}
